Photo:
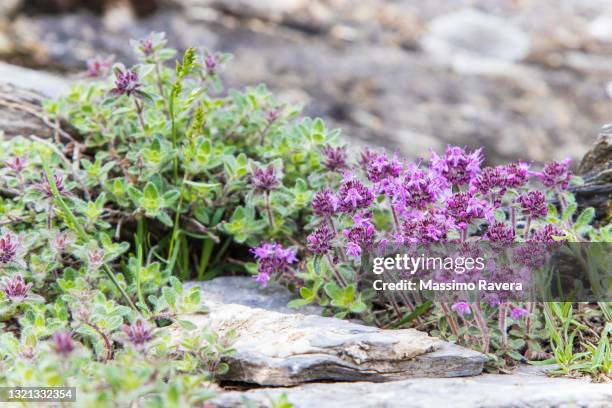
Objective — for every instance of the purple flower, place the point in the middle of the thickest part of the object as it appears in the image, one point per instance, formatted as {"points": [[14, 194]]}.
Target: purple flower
{"points": [[378, 166], [420, 188], [15, 288], [334, 158], [95, 259], [126, 83], [361, 235], [62, 343], [430, 227], [500, 232], [146, 46], [17, 163], [533, 204], [556, 174], [319, 242], [546, 234], [464, 207], [353, 195], [518, 312], [11, 250], [517, 174], [491, 181], [45, 187], [324, 203], [533, 255], [264, 180], [60, 242], [272, 115], [98, 66], [138, 333], [272, 258], [457, 166], [462, 308], [211, 63], [353, 249]]}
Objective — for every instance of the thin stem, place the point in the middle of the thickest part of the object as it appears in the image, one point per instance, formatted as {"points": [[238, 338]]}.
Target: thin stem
{"points": [[269, 211], [513, 219], [527, 227], [140, 239], [482, 326], [395, 219], [450, 319], [207, 247], [74, 224], [336, 272], [501, 318], [530, 306], [139, 113], [177, 216]]}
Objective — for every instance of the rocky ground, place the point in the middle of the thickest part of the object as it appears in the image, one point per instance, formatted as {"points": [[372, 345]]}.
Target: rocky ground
{"points": [[526, 79], [326, 362]]}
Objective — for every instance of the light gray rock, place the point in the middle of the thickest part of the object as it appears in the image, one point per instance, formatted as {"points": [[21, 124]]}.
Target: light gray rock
{"points": [[243, 290], [522, 389], [46, 84], [22, 91], [474, 33], [287, 349]]}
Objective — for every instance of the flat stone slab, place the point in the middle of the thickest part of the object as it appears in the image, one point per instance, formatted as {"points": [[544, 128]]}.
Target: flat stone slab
{"points": [[281, 349], [243, 290], [522, 389]]}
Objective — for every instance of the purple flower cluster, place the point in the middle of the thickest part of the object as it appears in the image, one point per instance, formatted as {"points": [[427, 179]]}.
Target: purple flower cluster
{"points": [[556, 174], [264, 180], [461, 308], [325, 203], [360, 236], [45, 187], [17, 164], [15, 289], [319, 242], [494, 181], [545, 234], [533, 204], [63, 343], [211, 63], [420, 188], [126, 83], [354, 195], [464, 207], [11, 250], [98, 66], [334, 158], [457, 166], [138, 333], [432, 226], [379, 167], [499, 232], [273, 258]]}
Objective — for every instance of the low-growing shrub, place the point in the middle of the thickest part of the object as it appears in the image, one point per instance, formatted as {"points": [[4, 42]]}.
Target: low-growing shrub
{"points": [[167, 177]]}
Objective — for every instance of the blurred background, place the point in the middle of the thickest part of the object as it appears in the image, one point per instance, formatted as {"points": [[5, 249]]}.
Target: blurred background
{"points": [[527, 79]]}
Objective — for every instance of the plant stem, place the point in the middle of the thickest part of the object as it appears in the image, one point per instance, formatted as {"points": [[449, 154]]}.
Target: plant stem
{"points": [[482, 326], [269, 211], [140, 241], [173, 131], [177, 217], [139, 113], [336, 272], [501, 317], [450, 319], [207, 247], [74, 224]]}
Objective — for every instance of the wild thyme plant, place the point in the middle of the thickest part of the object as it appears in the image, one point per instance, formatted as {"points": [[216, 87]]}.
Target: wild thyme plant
{"points": [[382, 200]]}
